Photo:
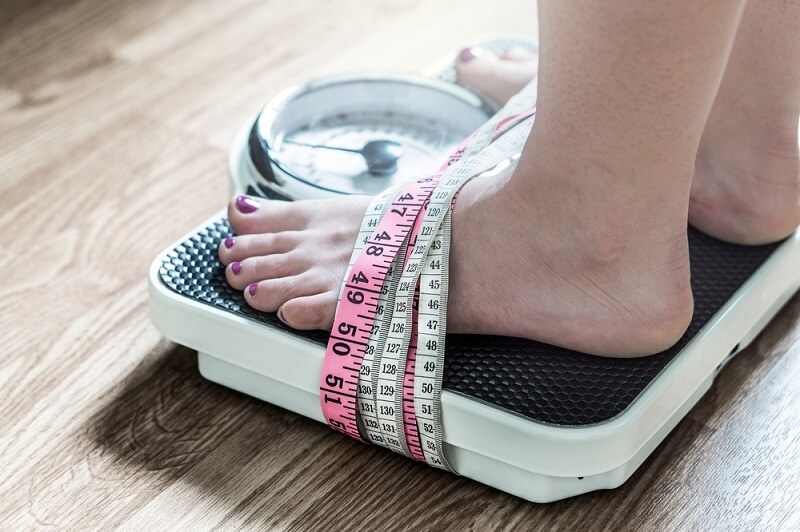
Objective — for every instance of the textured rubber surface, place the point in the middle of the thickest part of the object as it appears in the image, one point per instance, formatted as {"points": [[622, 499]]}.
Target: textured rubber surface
{"points": [[541, 382]]}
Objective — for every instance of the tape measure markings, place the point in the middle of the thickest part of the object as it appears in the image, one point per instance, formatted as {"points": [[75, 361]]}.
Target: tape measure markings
{"points": [[368, 373], [338, 399], [417, 219]]}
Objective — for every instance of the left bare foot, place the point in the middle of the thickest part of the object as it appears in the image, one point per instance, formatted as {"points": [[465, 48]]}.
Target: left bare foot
{"points": [[616, 288]]}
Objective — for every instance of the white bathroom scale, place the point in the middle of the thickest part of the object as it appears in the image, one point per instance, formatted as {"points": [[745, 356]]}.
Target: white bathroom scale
{"points": [[534, 420]]}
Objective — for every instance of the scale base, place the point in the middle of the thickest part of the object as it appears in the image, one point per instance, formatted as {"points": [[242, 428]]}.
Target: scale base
{"points": [[535, 421], [522, 483]]}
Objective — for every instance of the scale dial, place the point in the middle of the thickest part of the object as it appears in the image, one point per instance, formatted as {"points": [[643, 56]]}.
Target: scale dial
{"points": [[428, 118]]}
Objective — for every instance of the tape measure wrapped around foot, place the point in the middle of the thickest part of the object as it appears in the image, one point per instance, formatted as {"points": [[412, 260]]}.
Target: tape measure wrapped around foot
{"points": [[382, 375]]}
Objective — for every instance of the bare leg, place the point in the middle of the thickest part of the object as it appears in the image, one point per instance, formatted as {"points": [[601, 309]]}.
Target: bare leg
{"points": [[747, 185], [584, 246]]}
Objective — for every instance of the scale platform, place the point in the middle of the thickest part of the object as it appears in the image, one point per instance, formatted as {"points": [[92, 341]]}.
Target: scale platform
{"points": [[534, 420]]}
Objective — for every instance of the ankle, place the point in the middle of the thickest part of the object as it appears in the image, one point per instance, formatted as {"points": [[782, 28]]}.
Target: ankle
{"points": [[638, 268], [609, 208], [763, 131], [746, 187]]}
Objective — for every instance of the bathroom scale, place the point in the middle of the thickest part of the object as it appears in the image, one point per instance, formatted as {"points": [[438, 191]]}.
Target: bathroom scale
{"points": [[534, 420]]}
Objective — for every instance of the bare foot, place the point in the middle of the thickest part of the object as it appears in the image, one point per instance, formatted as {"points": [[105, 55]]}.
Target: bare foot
{"points": [[746, 187], [496, 77], [512, 272]]}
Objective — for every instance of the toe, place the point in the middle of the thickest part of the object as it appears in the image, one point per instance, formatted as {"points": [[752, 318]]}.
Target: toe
{"points": [[241, 274], [239, 248], [517, 53], [309, 312], [251, 215], [268, 295], [496, 78]]}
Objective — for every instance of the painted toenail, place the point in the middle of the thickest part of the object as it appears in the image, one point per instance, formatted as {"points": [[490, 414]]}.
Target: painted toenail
{"points": [[246, 205], [466, 55], [229, 242], [252, 289], [236, 267]]}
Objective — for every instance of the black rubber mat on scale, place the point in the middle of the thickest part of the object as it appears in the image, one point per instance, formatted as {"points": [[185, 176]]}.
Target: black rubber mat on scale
{"points": [[538, 381]]}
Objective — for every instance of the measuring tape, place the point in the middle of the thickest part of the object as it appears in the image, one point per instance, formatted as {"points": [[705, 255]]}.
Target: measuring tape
{"points": [[384, 363]]}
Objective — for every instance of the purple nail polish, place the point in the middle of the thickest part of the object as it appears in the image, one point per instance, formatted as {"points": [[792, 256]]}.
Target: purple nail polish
{"points": [[252, 289], [466, 55], [229, 242], [246, 205], [236, 267]]}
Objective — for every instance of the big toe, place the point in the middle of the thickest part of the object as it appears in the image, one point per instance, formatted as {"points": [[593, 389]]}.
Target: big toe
{"points": [[250, 215], [309, 312], [495, 77]]}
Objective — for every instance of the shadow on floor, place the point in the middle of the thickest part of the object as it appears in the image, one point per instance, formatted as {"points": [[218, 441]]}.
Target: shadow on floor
{"points": [[166, 419]]}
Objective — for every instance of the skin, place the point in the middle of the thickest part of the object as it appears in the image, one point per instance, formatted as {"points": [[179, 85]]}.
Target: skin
{"points": [[638, 132], [746, 178]]}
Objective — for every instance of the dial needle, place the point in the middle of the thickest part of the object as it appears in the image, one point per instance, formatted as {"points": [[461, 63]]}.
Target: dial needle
{"points": [[380, 155]]}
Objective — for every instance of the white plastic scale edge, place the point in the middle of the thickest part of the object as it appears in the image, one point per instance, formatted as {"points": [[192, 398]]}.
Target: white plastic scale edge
{"points": [[540, 463]]}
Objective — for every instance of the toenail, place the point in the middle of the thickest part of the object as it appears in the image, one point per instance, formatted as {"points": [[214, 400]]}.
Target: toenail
{"points": [[246, 205], [280, 315], [236, 267], [252, 289], [466, 55], [229, 242]]}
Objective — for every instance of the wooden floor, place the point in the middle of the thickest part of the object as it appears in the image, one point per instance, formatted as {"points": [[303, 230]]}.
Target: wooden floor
{"points": [[115, 117]]}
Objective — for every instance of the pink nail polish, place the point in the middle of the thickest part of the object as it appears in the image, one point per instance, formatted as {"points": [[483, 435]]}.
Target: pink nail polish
{"points": [[246, 205], [229, 242], [236, 267], [466, 55], [252, 289]]}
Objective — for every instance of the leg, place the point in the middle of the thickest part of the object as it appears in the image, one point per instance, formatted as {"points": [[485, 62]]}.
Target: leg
{"points": [[590, 226], [747, 185]]}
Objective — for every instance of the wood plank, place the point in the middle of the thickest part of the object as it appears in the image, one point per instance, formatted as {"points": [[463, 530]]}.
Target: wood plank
{"points": [[115, 118]]}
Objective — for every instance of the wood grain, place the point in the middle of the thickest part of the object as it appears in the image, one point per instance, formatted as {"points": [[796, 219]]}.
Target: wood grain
{"points": [[115, 117]]}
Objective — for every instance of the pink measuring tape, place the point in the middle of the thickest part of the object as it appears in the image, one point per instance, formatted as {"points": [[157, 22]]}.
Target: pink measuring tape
{"points": [[382, 373]]}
